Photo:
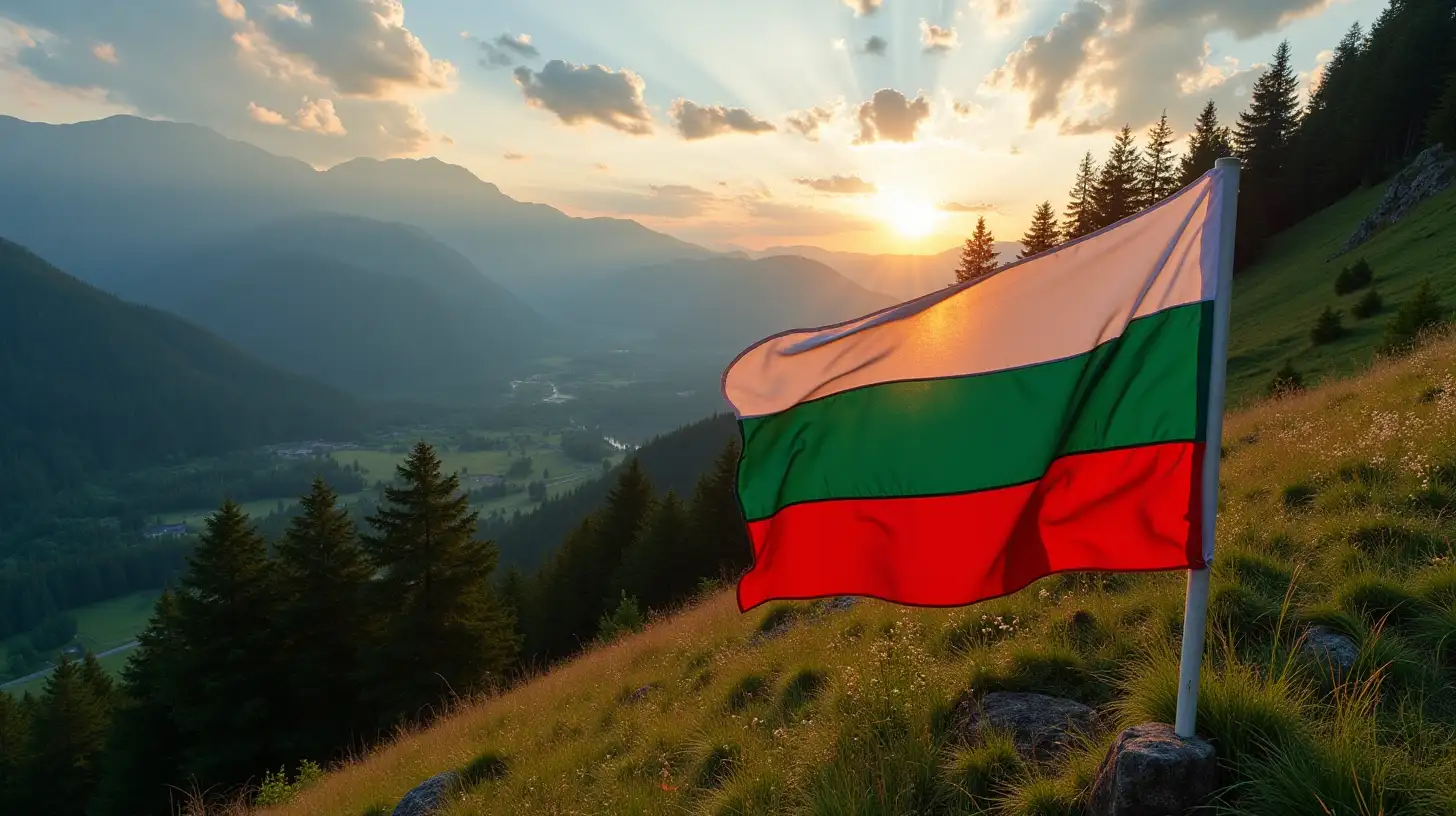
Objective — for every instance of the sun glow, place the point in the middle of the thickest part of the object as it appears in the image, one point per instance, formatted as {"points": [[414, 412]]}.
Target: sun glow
{"points": [[911, 217]]}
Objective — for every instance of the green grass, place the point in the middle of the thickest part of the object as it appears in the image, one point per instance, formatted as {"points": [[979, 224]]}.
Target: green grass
{"points": [[101, 626], [854, 711], [1277, 300]]}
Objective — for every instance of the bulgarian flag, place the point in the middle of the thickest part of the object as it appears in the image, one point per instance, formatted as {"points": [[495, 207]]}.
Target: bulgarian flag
{"points": [[1054, 415]]}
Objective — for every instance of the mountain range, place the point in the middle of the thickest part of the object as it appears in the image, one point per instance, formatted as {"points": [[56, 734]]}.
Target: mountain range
{"points": [[902, 277]]}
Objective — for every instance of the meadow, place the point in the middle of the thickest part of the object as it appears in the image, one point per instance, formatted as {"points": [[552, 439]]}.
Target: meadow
{"points": [[1338, 509], [99, 627]]}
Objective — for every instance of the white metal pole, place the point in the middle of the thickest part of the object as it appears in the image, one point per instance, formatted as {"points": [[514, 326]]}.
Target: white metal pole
{"points": [[1195, 610]]}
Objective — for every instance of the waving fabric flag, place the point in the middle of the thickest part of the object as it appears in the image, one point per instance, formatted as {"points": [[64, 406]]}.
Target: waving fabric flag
{"points": [[1051, 416]]}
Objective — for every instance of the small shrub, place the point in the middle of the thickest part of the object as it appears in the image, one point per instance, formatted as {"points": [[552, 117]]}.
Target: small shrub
{"points": [[1328, 327], [1286, 380], [975, 773], [802, 689], [1353, 278], [717, 765], [1420, 314], [1369, 305], [624, 620], [277, 790], [750, 688], [1374, 598]]}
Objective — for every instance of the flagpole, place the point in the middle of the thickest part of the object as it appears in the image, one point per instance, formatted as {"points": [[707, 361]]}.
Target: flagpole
{"points": [[1195, 610]]}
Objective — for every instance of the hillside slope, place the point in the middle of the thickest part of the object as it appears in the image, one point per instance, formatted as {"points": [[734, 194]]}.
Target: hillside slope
{"points": [[1339, 500], [89, 382], [1277, 300]]}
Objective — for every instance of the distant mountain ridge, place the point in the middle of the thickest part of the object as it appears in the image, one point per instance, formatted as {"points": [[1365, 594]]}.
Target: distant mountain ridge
{"points": [[92, 383], [902, 277], [725, 303], [380, 309], [142, 191]]}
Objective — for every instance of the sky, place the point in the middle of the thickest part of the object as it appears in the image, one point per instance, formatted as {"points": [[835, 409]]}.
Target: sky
{"points": [[856, 125]]}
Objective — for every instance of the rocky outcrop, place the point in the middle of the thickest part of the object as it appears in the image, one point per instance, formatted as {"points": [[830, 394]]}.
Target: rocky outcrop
{"points": [[1039, 725], [429, 797], [1151, 771], [1431, 173], [1329, 648]]}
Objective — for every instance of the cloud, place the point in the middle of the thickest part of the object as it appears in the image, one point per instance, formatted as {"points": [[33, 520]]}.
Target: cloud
{"points": [[106, 52], [505, 49], [864, 8], [875, 46], [1131, 60], [997, 15], [937, 39], [314, 116], [1044, 66], [890, 117], [838, 44], [267, 116], [318, 116], [515, 157], [601, 168], [808, 123], [956, 207], [361, 46], [696, 121], [964, 110], [205, 61], [588, 93], [839, 185]]}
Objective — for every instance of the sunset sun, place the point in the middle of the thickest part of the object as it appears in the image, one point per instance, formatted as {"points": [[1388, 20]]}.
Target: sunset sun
{"points": [[910, 217]]}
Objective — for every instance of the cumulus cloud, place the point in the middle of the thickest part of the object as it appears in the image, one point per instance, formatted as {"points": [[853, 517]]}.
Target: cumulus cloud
{"points": [[980, 208], [875, 46], [839, 185], [205, 61], [1044, 66], [838, 44], [964, 110], [1131, 59], [361, 46], [937, 39], [997, 15], [588, 93], [808, 123], [890, 117], [314, 116], [696, 121], [864, 7], [505, 49], [106, 52]]}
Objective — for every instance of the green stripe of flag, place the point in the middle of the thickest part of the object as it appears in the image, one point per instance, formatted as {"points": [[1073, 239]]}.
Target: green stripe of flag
{"points": [[961, 434]]}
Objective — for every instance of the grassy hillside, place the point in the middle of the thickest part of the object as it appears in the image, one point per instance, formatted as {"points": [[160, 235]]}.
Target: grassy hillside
{"points": [[1337, 509], [1277, 300]]}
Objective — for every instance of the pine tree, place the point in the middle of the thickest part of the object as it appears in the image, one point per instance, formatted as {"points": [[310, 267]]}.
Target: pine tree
{"points": [[1081, 215], [1158, 172], [1328, 327], [67, 740], [1419, 314], [978, 257], [720, 537], [1118, 194], [225, 690], [442, 629], [658, 569], [144, 747], [1262, 138], [1441, 127], [14, 755], [624, 619], [1043, 234], [323, 623], [1208, 143]]}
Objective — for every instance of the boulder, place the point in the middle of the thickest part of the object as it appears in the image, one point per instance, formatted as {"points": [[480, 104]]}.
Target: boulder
{"points": [[1431, 172], [1330, 648], [1039, 725], [1151, 771], [429, 797]]}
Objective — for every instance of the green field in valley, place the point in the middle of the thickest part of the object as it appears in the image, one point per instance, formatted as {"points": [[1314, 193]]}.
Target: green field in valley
{"points": [[1277, 300], [99, 627]]}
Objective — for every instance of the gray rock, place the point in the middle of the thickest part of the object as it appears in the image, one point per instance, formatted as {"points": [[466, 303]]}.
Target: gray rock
{"points": [[1039, 725], [1428, 174], [1151, 771], [430, 796], [840, 603], [1330, 648]]}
